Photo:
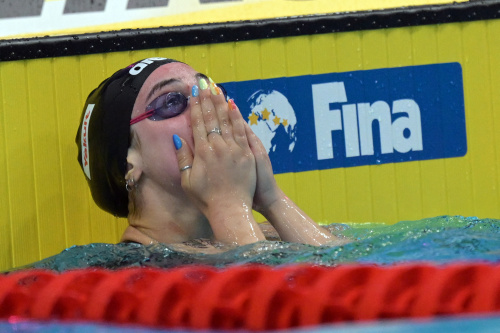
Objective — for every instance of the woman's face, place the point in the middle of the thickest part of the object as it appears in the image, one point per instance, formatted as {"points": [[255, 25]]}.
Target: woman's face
{"points": [[154, 138]]}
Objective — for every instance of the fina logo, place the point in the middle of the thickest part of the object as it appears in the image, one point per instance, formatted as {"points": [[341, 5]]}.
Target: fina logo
{"points": [[402, 135], [369, 117], [268, 110]]}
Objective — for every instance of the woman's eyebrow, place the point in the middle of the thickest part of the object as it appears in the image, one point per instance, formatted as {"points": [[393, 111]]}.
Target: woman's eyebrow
{"points": [[160, 85]]}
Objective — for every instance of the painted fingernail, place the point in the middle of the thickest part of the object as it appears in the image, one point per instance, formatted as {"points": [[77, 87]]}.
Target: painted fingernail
{"points": [[213, 87], [194, 91], [177, 141], [203, 84], [232, 105]]}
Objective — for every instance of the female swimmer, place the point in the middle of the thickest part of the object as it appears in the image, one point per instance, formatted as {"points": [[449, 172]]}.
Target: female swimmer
{"points": [[160, 145]]}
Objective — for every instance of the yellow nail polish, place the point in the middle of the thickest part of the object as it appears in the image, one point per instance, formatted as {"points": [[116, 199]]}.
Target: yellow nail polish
{"points": [[213, 87], [203, 84]]}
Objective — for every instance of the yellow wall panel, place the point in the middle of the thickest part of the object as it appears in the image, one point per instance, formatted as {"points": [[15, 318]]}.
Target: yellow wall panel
{"points": [[383, 184], [493, 42], [408, 191], [68, 98], [247, 61], [349, 54], [333, 195], [298, 56], [478, 91], [222, 62], [198, 57], [20, 168], [399, 47], [6, 259], [326, 60], [374, 49], [273, 57], [450, 46], [434, 190], [46, 162], [359, 194], [307, 193]]}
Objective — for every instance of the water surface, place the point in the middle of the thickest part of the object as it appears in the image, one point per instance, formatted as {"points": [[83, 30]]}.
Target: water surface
{"points": [[438, 240]]}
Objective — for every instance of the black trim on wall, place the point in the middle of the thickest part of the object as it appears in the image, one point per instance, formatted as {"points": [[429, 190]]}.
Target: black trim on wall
{"points": [[139, 39]]}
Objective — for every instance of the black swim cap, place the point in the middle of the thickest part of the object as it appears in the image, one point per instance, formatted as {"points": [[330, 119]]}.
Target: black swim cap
{"points": [[103, 137]]}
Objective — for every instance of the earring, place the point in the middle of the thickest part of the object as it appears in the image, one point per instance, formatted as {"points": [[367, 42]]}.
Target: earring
{"points": [[130, 185]]}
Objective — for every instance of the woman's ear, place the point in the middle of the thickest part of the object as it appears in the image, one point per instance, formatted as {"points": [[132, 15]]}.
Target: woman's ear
{"points": [[134, 165]]}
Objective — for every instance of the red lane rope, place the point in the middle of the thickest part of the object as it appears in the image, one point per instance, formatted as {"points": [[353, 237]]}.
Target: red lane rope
{"points": [[251, 297]]}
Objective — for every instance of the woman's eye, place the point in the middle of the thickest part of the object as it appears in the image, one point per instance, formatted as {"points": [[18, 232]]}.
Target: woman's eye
{"points": [[168, 105], [174, 104], [171, 100]]}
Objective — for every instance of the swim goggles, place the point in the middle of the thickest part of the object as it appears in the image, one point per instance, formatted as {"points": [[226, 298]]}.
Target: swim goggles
{"points": [[167, 106]]}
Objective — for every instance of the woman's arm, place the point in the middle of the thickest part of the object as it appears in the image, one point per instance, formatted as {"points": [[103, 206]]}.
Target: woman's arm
{"points": [[291, 223]]}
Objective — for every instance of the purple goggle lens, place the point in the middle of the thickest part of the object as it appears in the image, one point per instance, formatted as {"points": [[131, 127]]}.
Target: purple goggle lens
{"points": [[165, 106]]}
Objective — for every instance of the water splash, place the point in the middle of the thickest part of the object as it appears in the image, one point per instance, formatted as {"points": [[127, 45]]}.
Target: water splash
{"points": [[438, 240]]}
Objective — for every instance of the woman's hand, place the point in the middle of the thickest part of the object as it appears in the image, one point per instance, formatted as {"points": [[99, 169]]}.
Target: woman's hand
{"points": [[267, 190], [291, 223], [222, 178]]}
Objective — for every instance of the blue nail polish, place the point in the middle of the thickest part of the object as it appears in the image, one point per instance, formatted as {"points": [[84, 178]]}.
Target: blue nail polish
{"points": [[194, 91], [177, 141]]}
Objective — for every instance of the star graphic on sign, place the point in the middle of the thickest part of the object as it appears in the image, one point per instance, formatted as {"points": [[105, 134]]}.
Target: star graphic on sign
{"points": [[285, 122], [253, 119], [276, 121], [265, 114]]}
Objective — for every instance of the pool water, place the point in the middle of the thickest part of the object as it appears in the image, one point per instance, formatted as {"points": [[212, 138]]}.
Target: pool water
{"points": [[469, 324], [438, 240]]}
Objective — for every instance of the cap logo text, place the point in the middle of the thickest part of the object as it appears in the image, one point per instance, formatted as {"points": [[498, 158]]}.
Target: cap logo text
{"points": [[137, 68], [85, 140]]}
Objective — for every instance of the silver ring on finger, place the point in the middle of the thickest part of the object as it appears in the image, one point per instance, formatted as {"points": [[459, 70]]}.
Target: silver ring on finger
{"points": [[215, 130], [185, 168]]}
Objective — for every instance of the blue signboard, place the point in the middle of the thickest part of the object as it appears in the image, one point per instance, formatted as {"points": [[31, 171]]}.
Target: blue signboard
{"points": [[389, 115]]}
